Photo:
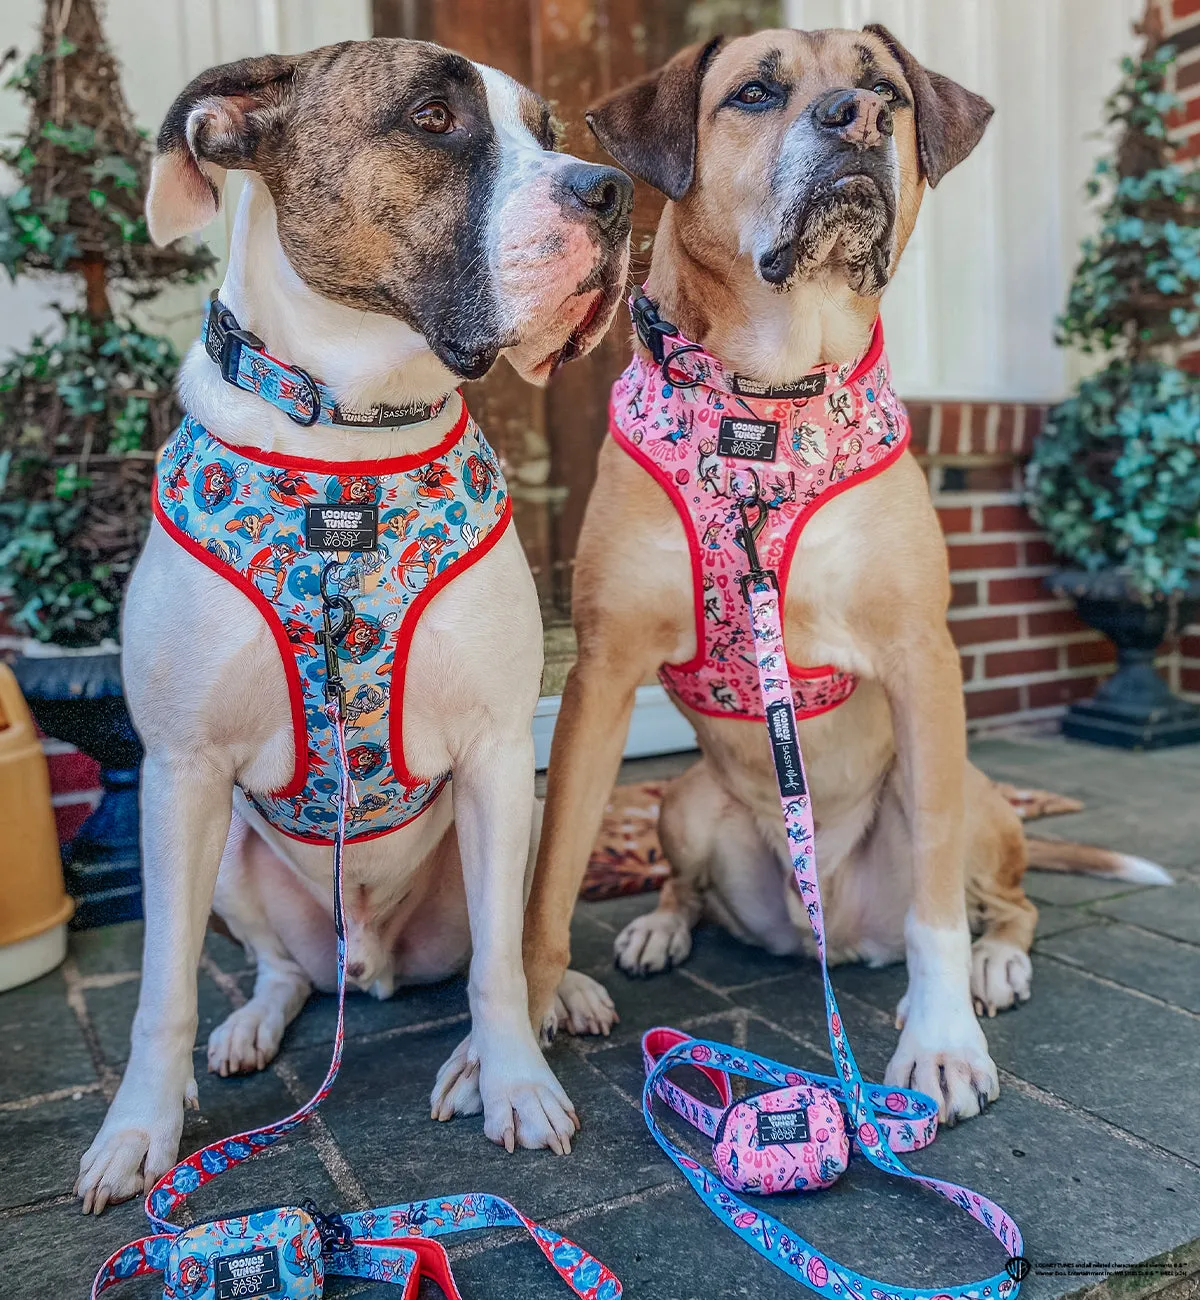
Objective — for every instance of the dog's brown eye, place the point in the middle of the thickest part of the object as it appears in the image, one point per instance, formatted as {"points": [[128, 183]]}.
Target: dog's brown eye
{"points": [[885, 90], [753, 92], [435, 118]]}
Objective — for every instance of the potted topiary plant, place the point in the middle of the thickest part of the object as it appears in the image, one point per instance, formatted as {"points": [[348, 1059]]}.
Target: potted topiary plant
{"points": [[82, 413], [1115, 475]]}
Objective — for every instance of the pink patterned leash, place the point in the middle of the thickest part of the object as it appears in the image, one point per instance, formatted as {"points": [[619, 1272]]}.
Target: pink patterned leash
{"points": [[376, 1244], [772, 1239]]}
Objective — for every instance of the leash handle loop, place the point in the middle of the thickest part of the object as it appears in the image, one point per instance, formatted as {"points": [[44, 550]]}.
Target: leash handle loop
{"points": [[415, 1221]]}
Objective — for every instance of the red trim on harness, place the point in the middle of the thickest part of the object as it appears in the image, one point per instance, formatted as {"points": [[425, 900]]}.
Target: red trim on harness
{"points": [[290, 671], [392, 465], [404, 636]]}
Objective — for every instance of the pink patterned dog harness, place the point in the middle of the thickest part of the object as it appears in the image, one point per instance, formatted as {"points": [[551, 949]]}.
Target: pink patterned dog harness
{"points": [[385, 535], [712, 438]]}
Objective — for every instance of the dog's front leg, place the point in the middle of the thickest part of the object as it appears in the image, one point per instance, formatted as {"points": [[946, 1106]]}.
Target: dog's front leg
{"points": [[523, 1103], [942, 1050], [186, 810]]}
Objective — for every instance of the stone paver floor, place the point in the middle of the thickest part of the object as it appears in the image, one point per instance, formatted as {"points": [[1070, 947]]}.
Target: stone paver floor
{"points": [[1094, 1145]]}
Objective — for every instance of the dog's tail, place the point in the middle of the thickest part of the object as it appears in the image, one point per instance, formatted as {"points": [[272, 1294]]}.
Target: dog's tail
{"points": [[1084, 859]]}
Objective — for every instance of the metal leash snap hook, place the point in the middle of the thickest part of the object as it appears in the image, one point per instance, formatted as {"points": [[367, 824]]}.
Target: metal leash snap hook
{"points": [[333, 634], [747, 538], [333, 1229]]}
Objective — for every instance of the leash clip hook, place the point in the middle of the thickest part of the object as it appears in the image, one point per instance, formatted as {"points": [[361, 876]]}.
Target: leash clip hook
{"points": [[333, 634], [747, 538]]}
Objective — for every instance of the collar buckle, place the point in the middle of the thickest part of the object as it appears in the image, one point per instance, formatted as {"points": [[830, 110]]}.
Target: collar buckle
{"points": [[650, 327], [224, 340]]}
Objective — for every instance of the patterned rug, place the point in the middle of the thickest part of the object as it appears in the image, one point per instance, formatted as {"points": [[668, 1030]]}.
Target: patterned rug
{"points": [[628, 859]]}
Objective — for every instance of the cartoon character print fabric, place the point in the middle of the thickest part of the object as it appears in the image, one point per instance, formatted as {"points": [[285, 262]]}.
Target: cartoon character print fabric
{"points": [[710, 447], [244, 515], [271, 1250]]}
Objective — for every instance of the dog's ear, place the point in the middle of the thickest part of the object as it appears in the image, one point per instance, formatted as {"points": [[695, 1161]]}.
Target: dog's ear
{"points": [[223, 120], [649, 126], [950, 119]]}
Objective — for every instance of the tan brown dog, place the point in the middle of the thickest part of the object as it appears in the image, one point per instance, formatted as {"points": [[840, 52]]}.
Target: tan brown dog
{"points": [[751, 140]]}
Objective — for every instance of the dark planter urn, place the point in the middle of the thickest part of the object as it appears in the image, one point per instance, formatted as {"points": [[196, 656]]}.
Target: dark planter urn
{"points": [[1134, 708], [78, 698]]}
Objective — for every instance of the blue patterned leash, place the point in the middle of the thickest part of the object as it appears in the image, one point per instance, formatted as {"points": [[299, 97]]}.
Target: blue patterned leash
{"points": [[772, 1239]]}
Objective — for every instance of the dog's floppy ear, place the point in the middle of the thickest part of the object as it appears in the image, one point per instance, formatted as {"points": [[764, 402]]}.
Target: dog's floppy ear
{"points": [[950, 119], [222, 120], [649, 126]]}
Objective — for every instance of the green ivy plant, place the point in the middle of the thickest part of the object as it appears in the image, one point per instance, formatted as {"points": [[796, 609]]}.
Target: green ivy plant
{"points": [[71, 526], [1115, 475], [83, 410]]}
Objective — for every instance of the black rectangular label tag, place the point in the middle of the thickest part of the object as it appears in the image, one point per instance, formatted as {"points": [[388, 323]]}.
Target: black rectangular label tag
{"points": [[785, 749], [333, 527], [242, 1277], [810, 386], [776, 1127], [748, 439]]}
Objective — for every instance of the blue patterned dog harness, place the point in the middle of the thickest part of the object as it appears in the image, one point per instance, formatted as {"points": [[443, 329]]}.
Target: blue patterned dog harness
{"points": [[397, 531]]}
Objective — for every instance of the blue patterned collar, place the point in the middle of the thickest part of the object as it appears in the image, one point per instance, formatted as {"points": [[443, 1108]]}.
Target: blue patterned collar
{"points": [[246, 363]]}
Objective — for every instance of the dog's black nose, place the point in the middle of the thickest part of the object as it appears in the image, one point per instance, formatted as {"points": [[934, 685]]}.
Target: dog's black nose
{"points": [[604, 193], [858, 116]]}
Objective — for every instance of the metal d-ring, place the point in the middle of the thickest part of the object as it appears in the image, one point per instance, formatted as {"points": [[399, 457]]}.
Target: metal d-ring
{"points": [[666, 362]]}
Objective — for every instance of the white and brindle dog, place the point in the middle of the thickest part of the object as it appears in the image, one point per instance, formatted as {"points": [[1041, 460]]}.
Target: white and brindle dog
{"points": [[405, 220]]}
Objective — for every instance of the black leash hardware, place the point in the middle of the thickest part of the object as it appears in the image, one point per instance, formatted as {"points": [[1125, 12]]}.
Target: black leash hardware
{"points": [[654, 331], [223, 341], [225, 338], [333, 634], [335, 1232], [747, 538]]}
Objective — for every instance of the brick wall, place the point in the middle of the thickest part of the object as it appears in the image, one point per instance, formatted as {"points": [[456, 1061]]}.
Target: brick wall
{"points": [[1025, 655], [1181, 26]]}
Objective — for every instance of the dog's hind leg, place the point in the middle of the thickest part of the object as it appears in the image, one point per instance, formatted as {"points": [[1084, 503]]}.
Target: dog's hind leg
{"points": [[720, 865], [248, 1039], [997, 856]]}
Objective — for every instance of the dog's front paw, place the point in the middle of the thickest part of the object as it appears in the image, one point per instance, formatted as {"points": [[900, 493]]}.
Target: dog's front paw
{"points": [[1001, 975], [523, 1103], [944, 1054], [581, 1006], [652, 943], [136, 1145]]}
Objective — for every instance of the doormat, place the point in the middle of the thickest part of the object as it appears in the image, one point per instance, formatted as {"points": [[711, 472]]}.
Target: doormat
{"points": [[628, 859]]}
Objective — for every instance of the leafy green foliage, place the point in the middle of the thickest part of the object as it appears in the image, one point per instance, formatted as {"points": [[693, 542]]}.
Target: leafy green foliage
{"points": [[1115, 476], [1138, 280], [80, 418], [81, 413]]}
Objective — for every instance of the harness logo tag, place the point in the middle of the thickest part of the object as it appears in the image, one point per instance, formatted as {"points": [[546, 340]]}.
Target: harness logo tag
{"points": [[810, 386], [241, 1277], [785, 750], [776, 1128], [748, 439], [330, 526]]}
